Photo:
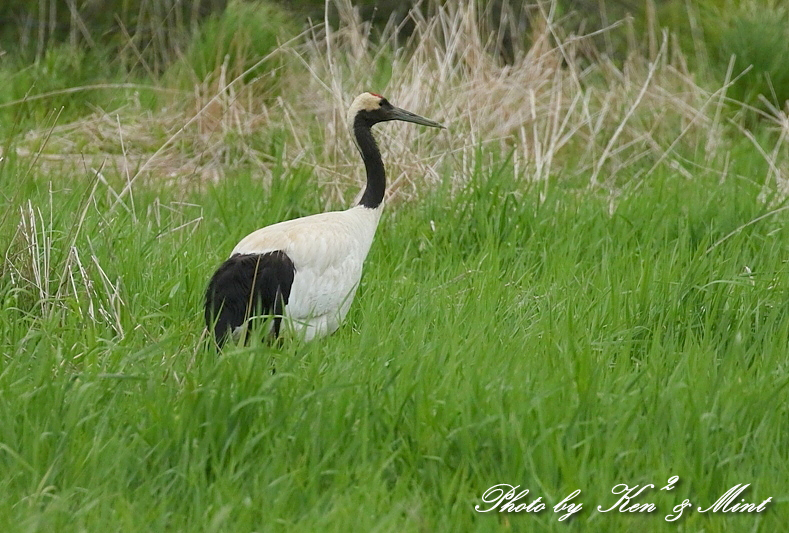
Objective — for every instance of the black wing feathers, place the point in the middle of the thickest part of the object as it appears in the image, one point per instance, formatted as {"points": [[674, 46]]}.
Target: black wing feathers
{"points": [[248, 285]]}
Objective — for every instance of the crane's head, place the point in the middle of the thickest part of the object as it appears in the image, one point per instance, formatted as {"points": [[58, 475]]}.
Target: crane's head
{"points": [[368, 109]]}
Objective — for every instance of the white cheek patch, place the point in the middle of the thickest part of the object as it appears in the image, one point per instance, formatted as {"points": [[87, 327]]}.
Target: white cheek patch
{"points": [[363, 102]]}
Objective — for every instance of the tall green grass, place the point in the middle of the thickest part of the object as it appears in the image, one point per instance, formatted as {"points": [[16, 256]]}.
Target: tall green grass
{"points": [[583, 282], [497, 338], [755, 36]]}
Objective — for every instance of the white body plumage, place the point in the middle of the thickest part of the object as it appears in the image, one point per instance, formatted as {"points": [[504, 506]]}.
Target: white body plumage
{"points": [[328, 251]]}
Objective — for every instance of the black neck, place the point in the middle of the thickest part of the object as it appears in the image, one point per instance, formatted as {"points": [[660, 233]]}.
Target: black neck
{"points": [[376, 175]]}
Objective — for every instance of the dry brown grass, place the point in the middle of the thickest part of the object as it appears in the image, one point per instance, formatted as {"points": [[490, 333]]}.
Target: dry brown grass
{"points": [[562, 108]]}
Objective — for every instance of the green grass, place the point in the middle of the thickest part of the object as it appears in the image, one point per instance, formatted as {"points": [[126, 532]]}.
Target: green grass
{"points": [[496, 338], [514, 324]]}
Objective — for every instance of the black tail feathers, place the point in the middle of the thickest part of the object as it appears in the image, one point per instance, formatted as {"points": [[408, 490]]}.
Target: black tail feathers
{"points": [[246, 286]]}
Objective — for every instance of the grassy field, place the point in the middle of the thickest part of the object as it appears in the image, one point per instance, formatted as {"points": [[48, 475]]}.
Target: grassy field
{"points": [[588, 290]]}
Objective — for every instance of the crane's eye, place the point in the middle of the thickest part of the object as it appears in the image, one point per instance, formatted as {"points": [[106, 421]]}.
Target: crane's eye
{"points": [[384, 103]]}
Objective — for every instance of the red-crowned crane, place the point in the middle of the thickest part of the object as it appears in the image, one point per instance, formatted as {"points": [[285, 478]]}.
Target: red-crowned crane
{"points": [[307, 270]]}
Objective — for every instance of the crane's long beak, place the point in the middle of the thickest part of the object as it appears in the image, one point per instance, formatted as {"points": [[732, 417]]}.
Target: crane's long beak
{"points": [[407, 116]]}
